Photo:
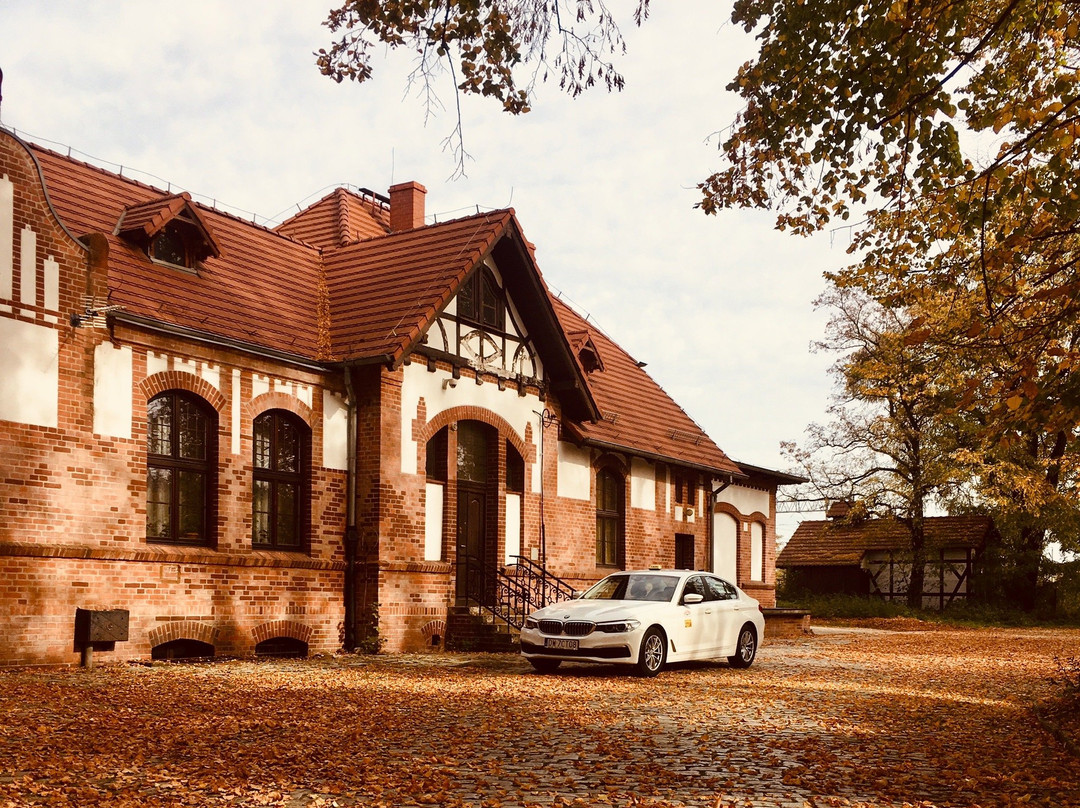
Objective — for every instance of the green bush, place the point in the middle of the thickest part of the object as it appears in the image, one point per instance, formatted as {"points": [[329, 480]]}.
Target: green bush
{"points": [[847, 606]]}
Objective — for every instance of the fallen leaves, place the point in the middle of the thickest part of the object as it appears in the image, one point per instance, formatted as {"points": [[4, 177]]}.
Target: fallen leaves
{"points": [[927, 719]]}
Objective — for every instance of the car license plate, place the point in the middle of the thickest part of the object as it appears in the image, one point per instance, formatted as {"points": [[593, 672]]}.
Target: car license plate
{"points": [[561, 644]]}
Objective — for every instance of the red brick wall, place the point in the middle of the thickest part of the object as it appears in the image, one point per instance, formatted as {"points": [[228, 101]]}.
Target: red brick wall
{"points": [[72, 503]]}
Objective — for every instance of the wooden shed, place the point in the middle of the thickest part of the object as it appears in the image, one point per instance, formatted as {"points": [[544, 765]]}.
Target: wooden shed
{"points": [[873, 557]]}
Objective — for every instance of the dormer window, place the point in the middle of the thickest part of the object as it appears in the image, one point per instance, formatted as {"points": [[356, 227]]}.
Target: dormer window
{"points": [[170, 247], [171, 230], [480, 301]]}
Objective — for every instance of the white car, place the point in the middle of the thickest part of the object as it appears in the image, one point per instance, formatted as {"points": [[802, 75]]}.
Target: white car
{"points": [[647, 618]]}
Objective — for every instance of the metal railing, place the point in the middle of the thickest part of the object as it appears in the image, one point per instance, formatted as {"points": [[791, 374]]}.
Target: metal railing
{"points": [[511, 592]]}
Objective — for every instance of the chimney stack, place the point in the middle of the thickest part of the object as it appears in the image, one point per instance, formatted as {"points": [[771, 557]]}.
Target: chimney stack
{"points": [[406, 206]]}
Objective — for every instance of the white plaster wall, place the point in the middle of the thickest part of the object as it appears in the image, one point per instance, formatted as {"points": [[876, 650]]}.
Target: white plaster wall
{"points": [[757, 551], [725, 546], [7, 237], [335, 432], [30, 370], [574, 472], [28, 267], [211, 374], [746, 500], [418, 382], [52, 284], [642, 484], [235, 410], [433, 522], [112, 390], [156, 363], [513, 527]]}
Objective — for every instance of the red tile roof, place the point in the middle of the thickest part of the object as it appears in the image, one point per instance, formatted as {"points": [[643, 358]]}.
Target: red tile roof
{"points": [[637, 415], [385, 292], [225, 298], [832, 543], [339, 218]]}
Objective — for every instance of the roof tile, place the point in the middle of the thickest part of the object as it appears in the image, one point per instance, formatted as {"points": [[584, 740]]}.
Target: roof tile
{"points": [[833, 543]]}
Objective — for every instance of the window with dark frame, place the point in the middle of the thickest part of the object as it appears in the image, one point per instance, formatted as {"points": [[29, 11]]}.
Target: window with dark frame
{"points": [[435, 462], [481, 301], [609, 518], [172, 246], [515, 470], [181, 449], [279, 480]]}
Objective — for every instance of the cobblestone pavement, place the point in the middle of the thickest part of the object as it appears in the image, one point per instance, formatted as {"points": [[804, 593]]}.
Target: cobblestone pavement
{"points": [[932, 718]]}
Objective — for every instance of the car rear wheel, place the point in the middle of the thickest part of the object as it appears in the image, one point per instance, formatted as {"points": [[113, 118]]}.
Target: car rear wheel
{"points": [[653, 652], [545, 665], [746, 649]]}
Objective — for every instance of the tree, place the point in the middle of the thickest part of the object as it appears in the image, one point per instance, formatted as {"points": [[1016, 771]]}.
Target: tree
{"points": [[489, 48], [892, 434]]}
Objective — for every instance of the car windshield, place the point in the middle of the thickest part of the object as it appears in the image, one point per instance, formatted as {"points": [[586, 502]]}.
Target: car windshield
{"points": [[636, 586]]}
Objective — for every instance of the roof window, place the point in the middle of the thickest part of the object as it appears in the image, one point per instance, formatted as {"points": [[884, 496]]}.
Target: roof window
{"points": [[171, 231]]}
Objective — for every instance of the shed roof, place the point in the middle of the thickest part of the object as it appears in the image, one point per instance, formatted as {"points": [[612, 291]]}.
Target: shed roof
{"points": [[833, 543]]}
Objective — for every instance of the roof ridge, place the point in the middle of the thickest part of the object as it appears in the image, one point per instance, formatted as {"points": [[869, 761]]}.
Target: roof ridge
{"points": [[343, 216], [497, 213]]}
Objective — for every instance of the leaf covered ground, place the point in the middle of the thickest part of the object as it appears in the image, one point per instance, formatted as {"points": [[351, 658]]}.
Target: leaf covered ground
{"points": [[864, 718]]}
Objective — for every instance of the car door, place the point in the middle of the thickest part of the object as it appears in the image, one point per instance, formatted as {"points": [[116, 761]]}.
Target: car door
{"points": [[697, 635], [725, 613]]}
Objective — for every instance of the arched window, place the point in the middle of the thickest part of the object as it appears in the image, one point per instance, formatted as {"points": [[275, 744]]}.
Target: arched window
{"points": [[180, 453], [280, 484], [609, 519]]}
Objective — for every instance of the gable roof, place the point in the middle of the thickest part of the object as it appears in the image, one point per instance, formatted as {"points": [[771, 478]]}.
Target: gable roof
{"points": [[339, 218], [832, 543], [637, 415]]}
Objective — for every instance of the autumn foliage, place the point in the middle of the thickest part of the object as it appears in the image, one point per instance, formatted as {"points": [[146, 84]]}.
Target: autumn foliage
{"points": [[928, 718]]}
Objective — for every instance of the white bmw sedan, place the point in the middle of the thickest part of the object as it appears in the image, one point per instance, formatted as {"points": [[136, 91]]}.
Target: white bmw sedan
{"points": [[647, 618]]}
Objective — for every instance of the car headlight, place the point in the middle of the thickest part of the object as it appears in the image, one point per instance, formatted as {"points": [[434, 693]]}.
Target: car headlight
{"points": [[618, 626], [531, 622]]}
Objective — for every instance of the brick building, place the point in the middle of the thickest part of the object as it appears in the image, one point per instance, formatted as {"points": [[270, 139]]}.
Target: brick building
{"points": [[255, 440]]}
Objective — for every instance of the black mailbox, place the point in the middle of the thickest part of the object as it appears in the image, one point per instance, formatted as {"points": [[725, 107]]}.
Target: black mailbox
{"points": [[101, 625]]}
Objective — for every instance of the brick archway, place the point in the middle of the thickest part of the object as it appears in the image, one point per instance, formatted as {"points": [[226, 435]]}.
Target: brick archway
{"points": [[183, 630], [277, 400], [179, 380], [422, 433], [281, 628]]}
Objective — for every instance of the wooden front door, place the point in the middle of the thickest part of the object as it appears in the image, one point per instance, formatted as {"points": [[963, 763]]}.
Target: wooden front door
{"points": [[472, 541]]}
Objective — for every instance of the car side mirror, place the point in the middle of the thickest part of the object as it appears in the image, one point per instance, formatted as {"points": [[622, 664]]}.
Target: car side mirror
{"points": [[692, 597]]}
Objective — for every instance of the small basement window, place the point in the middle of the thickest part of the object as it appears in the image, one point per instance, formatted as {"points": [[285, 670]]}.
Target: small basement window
{"points": [[287, 647], [182, 650]]}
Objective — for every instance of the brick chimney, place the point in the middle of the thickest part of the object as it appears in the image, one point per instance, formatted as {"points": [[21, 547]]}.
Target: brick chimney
{"points": [[407, 206]]}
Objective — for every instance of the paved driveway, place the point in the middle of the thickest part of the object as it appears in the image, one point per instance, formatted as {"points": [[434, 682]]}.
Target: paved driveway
{"points": [[932, 718]]}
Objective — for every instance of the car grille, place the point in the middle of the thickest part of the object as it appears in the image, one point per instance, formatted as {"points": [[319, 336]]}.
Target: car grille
{"points": [[571, 628]]}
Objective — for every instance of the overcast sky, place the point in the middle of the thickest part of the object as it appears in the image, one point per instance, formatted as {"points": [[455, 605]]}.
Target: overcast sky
{"points": [[222, 98]]}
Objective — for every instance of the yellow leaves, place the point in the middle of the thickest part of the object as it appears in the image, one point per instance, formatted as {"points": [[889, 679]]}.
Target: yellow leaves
{"points": [[1014, 402]]}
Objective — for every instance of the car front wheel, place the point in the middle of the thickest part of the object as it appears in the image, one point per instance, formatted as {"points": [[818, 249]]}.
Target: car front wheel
{"points": [[746, 649], [653, 652]]}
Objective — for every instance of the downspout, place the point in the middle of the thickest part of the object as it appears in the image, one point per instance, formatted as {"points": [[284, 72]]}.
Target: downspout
{"points": [[709, 529], [351, 534]]}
